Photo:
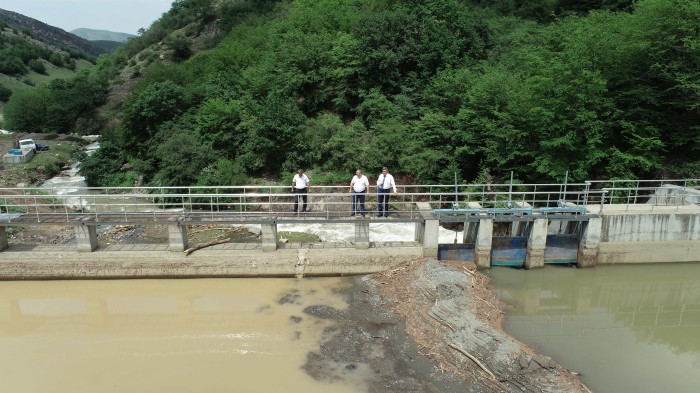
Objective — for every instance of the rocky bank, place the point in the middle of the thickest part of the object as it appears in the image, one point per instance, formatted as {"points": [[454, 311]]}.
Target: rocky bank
{"points": [[430, 326]]}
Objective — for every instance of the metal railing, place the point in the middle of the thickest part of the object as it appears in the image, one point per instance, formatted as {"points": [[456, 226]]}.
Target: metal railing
{"points": [[650, 193], [269, 202]]}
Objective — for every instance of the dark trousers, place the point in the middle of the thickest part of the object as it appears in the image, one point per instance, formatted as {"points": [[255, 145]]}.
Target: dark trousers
{"points": [[383, 201], [358, 197], [303, 193]]}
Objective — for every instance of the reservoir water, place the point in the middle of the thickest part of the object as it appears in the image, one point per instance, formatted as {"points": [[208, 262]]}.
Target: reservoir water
{"points": [[169, 336], [624, 328]]}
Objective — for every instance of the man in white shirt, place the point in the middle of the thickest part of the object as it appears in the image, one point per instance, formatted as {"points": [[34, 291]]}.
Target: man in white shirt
{"points": [[359, 186], [385, 183], [300, 187]]}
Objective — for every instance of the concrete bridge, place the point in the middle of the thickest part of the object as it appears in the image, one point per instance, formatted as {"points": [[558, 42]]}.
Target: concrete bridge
{"points": [[525, 225]]}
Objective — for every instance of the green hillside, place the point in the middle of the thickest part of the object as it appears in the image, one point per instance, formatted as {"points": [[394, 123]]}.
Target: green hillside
{"points": [[27, 62], [228, 92], [108, 46]]}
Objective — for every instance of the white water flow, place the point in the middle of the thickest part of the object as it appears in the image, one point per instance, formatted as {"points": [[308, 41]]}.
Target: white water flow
{"points": [[384, 232], [68, 182]]}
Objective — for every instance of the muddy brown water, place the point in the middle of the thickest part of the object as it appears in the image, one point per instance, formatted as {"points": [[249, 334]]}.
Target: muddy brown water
{"points": [[624, 328], [242, 335]]}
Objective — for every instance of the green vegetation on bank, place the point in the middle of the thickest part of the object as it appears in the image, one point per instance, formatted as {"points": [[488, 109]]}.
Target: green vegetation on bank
{"points": [[602, 89]]}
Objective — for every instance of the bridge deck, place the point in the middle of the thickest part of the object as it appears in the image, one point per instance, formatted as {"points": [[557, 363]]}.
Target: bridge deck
{"points": [[201, 218]]}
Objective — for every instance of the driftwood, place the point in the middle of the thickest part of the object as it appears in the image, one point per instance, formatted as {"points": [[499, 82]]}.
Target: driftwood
{"points": [[475, 360], [204, 245]]}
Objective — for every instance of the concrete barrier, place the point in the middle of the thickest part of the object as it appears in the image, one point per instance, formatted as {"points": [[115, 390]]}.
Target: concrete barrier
{"points": [[155, 261]]}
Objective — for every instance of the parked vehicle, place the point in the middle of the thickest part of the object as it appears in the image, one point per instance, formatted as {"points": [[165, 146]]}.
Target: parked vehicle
{"points": [[29, 144]]}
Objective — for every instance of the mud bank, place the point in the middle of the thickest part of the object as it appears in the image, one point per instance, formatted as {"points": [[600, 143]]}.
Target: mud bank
{"points": [[429, 326]]}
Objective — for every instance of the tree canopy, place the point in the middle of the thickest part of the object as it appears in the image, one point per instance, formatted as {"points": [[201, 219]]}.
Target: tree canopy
{"points": [[601, 89]]}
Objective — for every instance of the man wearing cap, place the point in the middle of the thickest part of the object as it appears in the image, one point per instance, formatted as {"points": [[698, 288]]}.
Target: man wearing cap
{"points": [[358, 186], [385, 183]]}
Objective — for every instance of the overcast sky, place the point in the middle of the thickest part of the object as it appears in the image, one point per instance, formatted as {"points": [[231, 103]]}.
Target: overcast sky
{"points": [[122, 16]]}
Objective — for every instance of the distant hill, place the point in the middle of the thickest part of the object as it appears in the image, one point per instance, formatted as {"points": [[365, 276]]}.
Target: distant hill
{"points": [[101, 35], [49, 34], [109, 46]]}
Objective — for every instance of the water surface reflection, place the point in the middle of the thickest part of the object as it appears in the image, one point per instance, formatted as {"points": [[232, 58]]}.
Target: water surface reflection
{"points": [[625, 328], [243, 335]]}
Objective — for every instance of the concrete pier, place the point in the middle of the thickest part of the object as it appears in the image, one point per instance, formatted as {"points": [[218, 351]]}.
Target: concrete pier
{"points": [[86, 237], [429, 231], [362, 235], [269, 237], [588, 245], [431, 238], [484, 241], [471, 230], [520, 228], [177, 237], [536, 243]]}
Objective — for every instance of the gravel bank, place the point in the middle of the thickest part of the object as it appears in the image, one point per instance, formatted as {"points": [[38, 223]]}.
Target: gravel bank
{"points": [[429, 326]]}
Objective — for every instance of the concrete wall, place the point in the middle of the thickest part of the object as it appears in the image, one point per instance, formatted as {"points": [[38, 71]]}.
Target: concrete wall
{"points": [[54, 262], [650, 227], [18, 158], [675, 195], [649, 252], [649, 238]]}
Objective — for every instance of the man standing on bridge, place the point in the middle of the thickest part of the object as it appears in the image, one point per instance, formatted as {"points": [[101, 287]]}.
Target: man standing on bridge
{"points": [[300, 187], [385, 182], [358, 186]]}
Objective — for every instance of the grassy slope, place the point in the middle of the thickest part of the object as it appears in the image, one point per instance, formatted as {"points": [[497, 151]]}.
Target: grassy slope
{"points": [[52, 72]]}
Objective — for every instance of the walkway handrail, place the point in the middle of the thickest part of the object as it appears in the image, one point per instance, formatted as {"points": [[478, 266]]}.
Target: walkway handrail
{"points": [[275, 199]]}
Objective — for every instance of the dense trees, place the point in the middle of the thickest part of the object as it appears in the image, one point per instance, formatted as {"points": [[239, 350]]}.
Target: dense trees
{"points": [[56, 107], [597, 88]]}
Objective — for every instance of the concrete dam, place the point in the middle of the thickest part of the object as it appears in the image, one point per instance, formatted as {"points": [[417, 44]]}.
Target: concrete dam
{"points": [[520, 225]]}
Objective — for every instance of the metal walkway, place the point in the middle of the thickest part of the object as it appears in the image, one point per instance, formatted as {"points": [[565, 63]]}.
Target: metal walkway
{"points": [[266, 204]]}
